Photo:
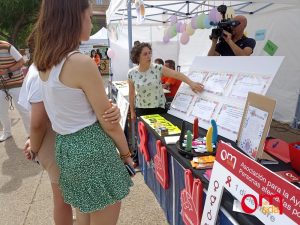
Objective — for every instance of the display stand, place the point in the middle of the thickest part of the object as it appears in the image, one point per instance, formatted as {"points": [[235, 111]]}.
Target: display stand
{"points": [[225, 90]]}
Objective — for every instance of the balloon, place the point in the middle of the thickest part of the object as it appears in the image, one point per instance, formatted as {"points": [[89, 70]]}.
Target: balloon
{"points": [[229, 13], [178, 26], [200, 21], [173, 19], [166, 39], [183, 28], [207, 22], [189, 30], [110, 53], [184, 39], [140, 10], [171, 31], [194, 22], [214, 15]]}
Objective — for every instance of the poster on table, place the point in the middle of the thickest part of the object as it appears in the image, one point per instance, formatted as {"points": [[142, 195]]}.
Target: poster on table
{"points": [[123, 105], [227, 81], [261, 193]]}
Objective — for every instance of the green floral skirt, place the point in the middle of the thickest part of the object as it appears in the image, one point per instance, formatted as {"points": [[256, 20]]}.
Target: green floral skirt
{"points": [[92, 175]]}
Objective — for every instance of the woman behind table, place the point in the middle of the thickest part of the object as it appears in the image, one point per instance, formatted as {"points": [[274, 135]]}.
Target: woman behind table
{"points": [[145, 89], [93, 178]]}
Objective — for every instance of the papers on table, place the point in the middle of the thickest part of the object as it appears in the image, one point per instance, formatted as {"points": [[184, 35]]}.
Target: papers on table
{"points": [[216, 82], [229, 118], [204, 109], [182, 102], [171, 139], [223, 98], [245, 83]]}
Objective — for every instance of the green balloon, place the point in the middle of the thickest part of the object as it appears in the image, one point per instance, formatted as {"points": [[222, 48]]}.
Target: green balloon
{"points": [[200, 21]]}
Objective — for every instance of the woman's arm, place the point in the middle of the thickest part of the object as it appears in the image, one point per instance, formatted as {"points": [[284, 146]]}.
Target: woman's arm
{"points": [[131, 99], [195, 86], [87, 78], [38, 125]]}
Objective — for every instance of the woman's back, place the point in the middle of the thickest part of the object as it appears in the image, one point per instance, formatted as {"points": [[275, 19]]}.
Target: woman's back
{"points": [[66, 104]]}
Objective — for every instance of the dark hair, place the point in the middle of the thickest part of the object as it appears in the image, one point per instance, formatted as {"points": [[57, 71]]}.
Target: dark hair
{"points": [[136, 43], [136, 51], [171, 63], [159, 61], [58, 31], [93, 51]]}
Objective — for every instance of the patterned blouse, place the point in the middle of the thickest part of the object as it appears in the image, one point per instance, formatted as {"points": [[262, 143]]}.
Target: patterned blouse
{"points": [[148, 87]]}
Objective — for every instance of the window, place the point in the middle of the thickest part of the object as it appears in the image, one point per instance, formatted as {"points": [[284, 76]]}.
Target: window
{"points": [[99, 2]]}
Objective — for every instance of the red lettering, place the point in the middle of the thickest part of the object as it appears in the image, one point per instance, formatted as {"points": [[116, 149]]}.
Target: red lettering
{"points": [[245, 207]]}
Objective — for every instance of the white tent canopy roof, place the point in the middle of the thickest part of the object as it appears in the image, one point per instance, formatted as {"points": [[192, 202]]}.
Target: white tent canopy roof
{"points": [[99, 38], [160, 11]]}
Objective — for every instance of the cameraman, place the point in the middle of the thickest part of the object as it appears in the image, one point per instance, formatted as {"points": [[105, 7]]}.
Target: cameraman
{"points": [[235, 43]]}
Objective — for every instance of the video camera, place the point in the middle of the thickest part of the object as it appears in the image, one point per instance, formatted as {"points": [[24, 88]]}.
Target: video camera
{"points": [[224, 24]]}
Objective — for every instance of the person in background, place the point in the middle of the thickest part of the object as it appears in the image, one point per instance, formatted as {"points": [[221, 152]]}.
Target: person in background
{"points": [[235, 43], [93, 178], [99, 54], [171, 84], [159, 61], [145, 89], [95, 57], [31, 99], [11, 79]]}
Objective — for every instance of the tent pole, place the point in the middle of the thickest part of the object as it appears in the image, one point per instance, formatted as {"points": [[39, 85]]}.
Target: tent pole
{"points": [[129, 18], [132, 122]]}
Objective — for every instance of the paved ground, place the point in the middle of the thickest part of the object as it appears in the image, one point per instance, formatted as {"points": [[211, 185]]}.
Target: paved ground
{"points": [[25, 193]]}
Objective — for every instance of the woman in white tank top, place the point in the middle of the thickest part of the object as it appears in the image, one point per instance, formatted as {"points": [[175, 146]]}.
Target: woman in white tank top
{"points": [[31, 99], [93, 178]]}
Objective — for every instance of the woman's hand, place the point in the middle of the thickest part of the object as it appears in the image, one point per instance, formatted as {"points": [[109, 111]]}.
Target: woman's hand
{"points": [[27, 150], [112, 114], [196, 87], [128, 161], [133, 116]]}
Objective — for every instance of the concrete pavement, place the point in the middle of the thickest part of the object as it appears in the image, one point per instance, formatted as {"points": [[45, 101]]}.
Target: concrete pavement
{"points": [[25, 192]]}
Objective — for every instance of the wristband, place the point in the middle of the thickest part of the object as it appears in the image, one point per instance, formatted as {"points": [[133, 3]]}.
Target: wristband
{"points": [[124, 156], [33, 155]]}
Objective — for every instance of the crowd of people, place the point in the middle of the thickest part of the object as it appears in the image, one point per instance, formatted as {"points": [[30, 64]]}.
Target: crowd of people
{"points": [[78, 147]]}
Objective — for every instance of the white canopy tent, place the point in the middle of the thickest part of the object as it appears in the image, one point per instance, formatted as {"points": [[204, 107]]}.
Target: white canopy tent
{"points": [[99, 38], [279, 20]]}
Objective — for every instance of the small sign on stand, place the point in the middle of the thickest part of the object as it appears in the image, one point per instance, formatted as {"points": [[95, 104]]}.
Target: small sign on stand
{"points": [[262, 193]]}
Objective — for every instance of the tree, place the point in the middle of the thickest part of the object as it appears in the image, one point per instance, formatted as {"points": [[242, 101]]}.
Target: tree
{"points": [[16, 20]]}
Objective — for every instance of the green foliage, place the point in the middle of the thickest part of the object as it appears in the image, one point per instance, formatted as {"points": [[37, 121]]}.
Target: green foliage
{"points": [[96, 25], [16, 20]]}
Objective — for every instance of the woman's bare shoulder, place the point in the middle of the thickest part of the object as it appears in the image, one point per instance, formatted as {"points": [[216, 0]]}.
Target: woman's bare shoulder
{"points": [[80, 63]]}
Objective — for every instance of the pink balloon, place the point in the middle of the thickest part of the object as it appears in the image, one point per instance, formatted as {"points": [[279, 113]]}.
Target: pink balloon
{"points": [[184, 39], [178, 26], [214, 15], [194, 22], [110, 53], [183, 28]]}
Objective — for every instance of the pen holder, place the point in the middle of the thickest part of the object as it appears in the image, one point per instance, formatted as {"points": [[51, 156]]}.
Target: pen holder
{"points": [[192, 153], [295, 155]]}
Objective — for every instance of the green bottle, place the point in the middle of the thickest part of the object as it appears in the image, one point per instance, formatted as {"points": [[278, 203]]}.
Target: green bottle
{"points": [[189, 141]]}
